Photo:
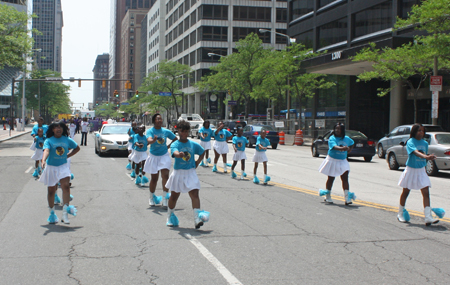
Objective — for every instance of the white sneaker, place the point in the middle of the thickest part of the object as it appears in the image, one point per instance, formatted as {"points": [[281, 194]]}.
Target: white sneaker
{"points": [[197, 221], [429, 217], [164, 201], [65, 215], [328, 199], [150, 201]]}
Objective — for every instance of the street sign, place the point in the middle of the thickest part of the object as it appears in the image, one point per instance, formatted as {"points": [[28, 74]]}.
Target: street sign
{"points": [[435, 83], [279, 124], [125, 103], [165, 93], [434, 104], [232, 102]]}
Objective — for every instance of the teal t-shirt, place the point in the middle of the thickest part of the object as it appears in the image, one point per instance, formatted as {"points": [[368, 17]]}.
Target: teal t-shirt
{"points": [[208, 133], [262, 141], [413, 160], [59, 148], [334, 141], [40, 142], [34, 131], [222, 135], [240, 143], [140, 139], [190, 149], [159, 147]]}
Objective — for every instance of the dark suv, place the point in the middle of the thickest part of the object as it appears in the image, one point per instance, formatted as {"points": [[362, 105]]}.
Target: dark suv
{"points": [[231, 125]]}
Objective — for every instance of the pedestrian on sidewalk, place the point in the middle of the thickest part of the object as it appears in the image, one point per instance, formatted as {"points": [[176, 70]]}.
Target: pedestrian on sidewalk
{"points": [[184, 178], [220, 146], [415, 177], [260, 156], [336, 163], [159, 160], [239, 143], [57, 168], [205, 141], [38, 143], [84, 130]]}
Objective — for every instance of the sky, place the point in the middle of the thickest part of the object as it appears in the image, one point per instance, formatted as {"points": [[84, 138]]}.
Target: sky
{"points": [[85, 35]]}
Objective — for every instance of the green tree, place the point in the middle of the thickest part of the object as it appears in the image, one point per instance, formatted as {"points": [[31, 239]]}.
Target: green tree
{"points": [[168, 78], [15, 40], [107, 110]]}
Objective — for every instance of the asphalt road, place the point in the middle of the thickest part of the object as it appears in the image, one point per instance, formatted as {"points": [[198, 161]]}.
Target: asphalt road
{"points": [[281, 233]]}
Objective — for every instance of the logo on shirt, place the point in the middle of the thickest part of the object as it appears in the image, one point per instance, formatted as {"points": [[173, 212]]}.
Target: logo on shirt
{"points": [[206, 135], [187, 156], [221, 136], [160, 140], [239, 144], [41, 144], [60, 151]]}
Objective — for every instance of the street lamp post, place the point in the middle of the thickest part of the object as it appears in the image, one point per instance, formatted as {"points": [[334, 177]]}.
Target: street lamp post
{"points": [[23, 88], [288, 95], [211, 54], [39, 92]]}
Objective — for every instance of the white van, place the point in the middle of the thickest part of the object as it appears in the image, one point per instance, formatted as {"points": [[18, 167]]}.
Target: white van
{"points": [[193, 119]]}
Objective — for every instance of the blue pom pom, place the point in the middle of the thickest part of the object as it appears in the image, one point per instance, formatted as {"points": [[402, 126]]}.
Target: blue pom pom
{"points": [[233, 174], [57, 199], [244, 174], [208, 160], [203, 215], [144, 179], [323, 192], [52, 219], [229, 164], [406, 215], [439, 212], [71, 176], [255, 180], [129, 166], [202, 163], [36, 173], [167, 195], [214, 169], [173, 221], [157, 199], [351, 196], [71, 197], [267, 179], [72, 210], [133, 174], [138, 180]]}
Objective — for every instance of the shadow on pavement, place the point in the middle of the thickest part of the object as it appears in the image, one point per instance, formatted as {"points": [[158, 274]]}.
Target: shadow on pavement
{"points": [[59, 228], [440, 227]]}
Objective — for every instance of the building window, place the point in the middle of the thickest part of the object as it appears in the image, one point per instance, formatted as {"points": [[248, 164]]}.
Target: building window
{"points": [[374, 19], [405, 7], [334, 96], [244, 13], [180, 11], [305, 39], [323, 3], [192, 58], [210, 33], [299, 8], [202, 54], [193, 38], [186, 24], [332, 33], [213, 12], [281, 15], [180, 46], [279, 39], [193, 17], [186, 42], [241, 33]]}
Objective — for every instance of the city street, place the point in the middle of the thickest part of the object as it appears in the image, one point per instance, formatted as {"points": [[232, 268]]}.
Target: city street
{"points": [[281, 233]]}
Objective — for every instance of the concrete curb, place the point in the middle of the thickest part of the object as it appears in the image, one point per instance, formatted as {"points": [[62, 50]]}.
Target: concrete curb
{"points": [[15, 136]]}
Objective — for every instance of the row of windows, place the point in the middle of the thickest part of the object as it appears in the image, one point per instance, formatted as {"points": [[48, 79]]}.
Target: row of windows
{"points": [[154, 17], [154, 30], [153, 43], [153, 56]]}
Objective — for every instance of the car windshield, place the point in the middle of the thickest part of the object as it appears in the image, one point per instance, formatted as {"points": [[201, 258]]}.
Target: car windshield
{"points": [[355, 135], [267, 128], [113, 130], [434, 129], [443, 138]]}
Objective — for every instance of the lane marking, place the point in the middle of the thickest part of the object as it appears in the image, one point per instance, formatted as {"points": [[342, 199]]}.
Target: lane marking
{"points": [[128, 174], [229, 277], [28, 170], [341, 198], [112, 159]]}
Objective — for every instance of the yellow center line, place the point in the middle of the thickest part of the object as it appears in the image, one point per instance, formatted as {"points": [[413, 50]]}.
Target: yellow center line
{"points": [[340, 198]]}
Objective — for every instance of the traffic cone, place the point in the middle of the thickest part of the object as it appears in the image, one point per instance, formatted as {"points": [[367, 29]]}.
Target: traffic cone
{"points": [[4, 127]]}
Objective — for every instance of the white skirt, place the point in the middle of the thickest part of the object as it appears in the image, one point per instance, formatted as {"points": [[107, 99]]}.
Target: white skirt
{"points": [[38, 154], [334, 167], [155, 163], [259, 156], [33, 145], [52, 174], [206, 145], [239, 155], [138, 156], [221, 147], [130, 146], [414, 178], [183, 180]]}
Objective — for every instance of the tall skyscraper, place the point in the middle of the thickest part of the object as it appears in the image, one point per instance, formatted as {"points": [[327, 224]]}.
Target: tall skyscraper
{"points": [[49, 22], [101, 71]]}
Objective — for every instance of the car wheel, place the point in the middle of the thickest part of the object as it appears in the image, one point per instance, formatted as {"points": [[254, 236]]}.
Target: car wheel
{"points": [[314, 151], [381, 153], [431, 168], [367, 158], [274, 145], [393, 164]]}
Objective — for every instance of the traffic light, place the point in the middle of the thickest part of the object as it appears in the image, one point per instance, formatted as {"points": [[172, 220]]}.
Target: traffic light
{"points": [[103, 83], [137, 94], [118, 105], [79, 82], [128, 85], [116, 93]]}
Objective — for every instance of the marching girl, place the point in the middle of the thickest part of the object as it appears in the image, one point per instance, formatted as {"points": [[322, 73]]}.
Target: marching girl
{"points": [[139, 155], [415, 177], [336, 163], [159, 159], [56, 168], [184, 178], [239, 143], [221, 137], [260, 156], [205, 141], [39, 152], [35, 129], [131, 133], [72, 128]]}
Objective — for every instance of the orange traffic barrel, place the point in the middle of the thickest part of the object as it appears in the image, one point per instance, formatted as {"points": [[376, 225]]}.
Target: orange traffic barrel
{"points": [[281, 135], [298, 137]]}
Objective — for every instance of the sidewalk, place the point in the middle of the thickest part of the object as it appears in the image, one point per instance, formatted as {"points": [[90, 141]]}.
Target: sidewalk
{"points": [[4, 134], [289, 140]]}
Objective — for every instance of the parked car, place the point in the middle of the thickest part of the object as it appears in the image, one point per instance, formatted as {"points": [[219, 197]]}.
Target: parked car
{"points": [[112, 138], [364, 147], [400, 134], [251, 132], [231, 126], [196, 128], [438, 143]]}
